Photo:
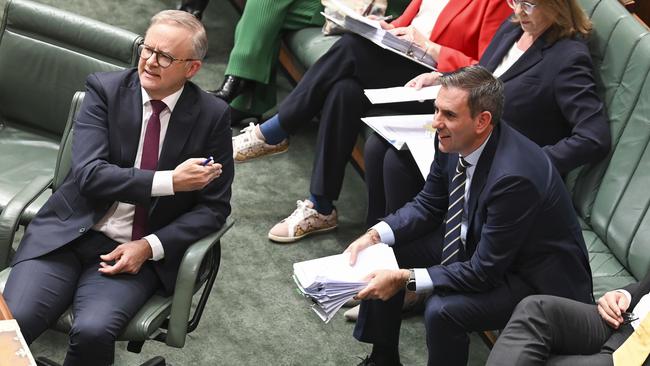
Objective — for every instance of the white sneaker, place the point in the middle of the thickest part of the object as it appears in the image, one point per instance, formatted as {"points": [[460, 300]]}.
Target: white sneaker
{"points": [[247, 145], [304, 220]]}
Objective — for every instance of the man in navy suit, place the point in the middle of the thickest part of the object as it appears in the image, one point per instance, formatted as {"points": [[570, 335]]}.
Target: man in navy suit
{"points": [[509, 231], [140, 191]]}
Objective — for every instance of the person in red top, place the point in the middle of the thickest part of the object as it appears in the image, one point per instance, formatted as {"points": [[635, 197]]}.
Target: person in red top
{"points": [[458, 33]]}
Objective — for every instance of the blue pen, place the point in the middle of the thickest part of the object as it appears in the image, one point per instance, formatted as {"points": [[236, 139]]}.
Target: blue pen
{"points": [[207, 161]]}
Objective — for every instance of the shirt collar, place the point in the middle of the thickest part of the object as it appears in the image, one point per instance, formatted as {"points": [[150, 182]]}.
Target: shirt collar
{"points": [[473, 157], [170, 100]]}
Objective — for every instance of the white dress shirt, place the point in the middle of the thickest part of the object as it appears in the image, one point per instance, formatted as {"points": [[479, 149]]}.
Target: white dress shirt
{"points": [[427, 16], [423, 281], [509, 59], [117, 224]]}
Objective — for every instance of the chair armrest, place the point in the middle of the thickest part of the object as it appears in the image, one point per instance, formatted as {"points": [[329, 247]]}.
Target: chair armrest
{"points": [[10, 217], [185, 284]]}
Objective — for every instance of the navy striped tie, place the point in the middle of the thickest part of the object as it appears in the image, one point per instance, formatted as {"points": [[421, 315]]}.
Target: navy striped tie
{"points": [[451, 242]]}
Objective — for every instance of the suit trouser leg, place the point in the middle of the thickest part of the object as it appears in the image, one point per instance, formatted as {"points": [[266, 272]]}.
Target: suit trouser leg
{"points": [[102, 307], [542, 326], [392, 178], [39, 290], [352, 57]]}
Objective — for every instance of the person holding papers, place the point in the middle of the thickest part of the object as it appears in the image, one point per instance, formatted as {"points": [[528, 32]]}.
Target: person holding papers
{"points": [[542, 57], [509, 231], [457, 32]]}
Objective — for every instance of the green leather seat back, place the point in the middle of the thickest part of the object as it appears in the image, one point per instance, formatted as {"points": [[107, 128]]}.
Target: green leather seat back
{"points": [[45, 56], [617, 65], [309, 44]]}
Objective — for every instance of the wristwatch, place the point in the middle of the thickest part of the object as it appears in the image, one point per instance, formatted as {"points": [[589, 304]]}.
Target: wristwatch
{"points": [[410, 283]]}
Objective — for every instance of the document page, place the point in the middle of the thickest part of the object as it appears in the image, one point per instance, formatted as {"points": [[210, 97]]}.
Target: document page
{"points": [[400, 128], [401, 94]]}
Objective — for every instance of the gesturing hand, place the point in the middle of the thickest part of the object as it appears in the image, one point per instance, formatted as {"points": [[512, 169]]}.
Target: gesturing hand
{"points": [[192, 175], [610, 307], [128, 258], [384, 284]]}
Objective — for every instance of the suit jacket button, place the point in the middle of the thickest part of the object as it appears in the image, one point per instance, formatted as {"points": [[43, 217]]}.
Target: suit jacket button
{"points": [[82, 230]]}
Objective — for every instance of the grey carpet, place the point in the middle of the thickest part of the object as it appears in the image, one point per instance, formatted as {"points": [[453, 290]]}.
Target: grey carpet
{"points": [[255, 315]]}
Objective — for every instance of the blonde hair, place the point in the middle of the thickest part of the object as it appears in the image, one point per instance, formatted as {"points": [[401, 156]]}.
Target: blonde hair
{"points": [[569, 19], [189, 22]]}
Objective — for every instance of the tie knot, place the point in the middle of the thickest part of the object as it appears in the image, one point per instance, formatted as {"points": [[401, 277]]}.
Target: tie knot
{"points": [[462, 164], [157, 106]]}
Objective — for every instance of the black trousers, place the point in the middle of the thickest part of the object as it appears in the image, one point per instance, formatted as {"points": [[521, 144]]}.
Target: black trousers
{"points": [[448, 317], [39, 290], [392, 178], [333, 87], [549, 330]]}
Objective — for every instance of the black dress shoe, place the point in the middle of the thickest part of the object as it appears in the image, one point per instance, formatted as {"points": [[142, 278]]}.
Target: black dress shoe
{"points": [[232, 86], [370, 362], [44, 361], [194, 7]]}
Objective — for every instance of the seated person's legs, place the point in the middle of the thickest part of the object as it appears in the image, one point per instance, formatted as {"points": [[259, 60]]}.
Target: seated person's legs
{"points": [[102, 307], [39, 290], [549, 330], [373, 157]]}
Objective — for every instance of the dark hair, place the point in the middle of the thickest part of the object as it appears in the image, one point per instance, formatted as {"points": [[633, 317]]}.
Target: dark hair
{"points": [[485, 91]]}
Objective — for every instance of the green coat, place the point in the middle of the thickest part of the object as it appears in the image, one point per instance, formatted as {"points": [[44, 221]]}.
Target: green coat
{"points": [[257, 43]]}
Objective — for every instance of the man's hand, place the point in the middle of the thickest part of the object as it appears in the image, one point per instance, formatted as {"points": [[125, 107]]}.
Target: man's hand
{"points": [[364, 241], [610, 307], [384, 284], [422, 80], [128, 258], [192, 175]]}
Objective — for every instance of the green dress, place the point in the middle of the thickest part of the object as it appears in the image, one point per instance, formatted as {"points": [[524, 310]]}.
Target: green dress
{"points": [[257, 44]]}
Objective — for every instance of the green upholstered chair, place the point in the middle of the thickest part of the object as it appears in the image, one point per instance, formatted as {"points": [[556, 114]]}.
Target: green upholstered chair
{"points": [[164, 319], [45, 56]]}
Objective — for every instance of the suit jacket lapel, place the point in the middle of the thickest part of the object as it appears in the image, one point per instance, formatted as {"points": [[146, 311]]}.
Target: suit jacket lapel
{"points": [[447, 15], [503, 45], [129, 117], [178, 130], [480, 177], [532, 56]]}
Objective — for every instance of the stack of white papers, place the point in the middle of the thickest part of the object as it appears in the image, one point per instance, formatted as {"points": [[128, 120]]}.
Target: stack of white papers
{"points": [[330, 281], [408, 132]]}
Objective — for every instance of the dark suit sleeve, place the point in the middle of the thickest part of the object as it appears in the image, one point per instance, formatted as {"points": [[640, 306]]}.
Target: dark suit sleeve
{"points": [[213, 202], [95, 176], [427, 209], [512, 206], [575, 94]]}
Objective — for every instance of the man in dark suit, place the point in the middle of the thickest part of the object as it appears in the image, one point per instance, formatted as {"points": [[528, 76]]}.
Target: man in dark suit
{"points": [[548, 330], [140, 191], [509, 231]]}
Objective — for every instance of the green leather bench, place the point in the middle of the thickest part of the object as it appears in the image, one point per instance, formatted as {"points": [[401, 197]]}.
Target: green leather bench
{"points": [[45, 56], [612, 197]]}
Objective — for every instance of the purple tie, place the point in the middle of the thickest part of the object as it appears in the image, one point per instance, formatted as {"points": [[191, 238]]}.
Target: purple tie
{"points": [[149, 161]]}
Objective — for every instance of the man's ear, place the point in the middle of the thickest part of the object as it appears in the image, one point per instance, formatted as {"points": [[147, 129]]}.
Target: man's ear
{"points": [[195, 66], [483, 121]]}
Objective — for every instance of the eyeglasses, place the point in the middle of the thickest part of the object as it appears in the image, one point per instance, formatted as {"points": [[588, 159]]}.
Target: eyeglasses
{"points": [[163, 59], [527, 7]]}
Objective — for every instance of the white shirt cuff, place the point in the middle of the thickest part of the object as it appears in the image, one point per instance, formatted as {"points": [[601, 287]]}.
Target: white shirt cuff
{"points": [[163, 183], [385, 233], [628, 295], [157, 251], [423, 281]]}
